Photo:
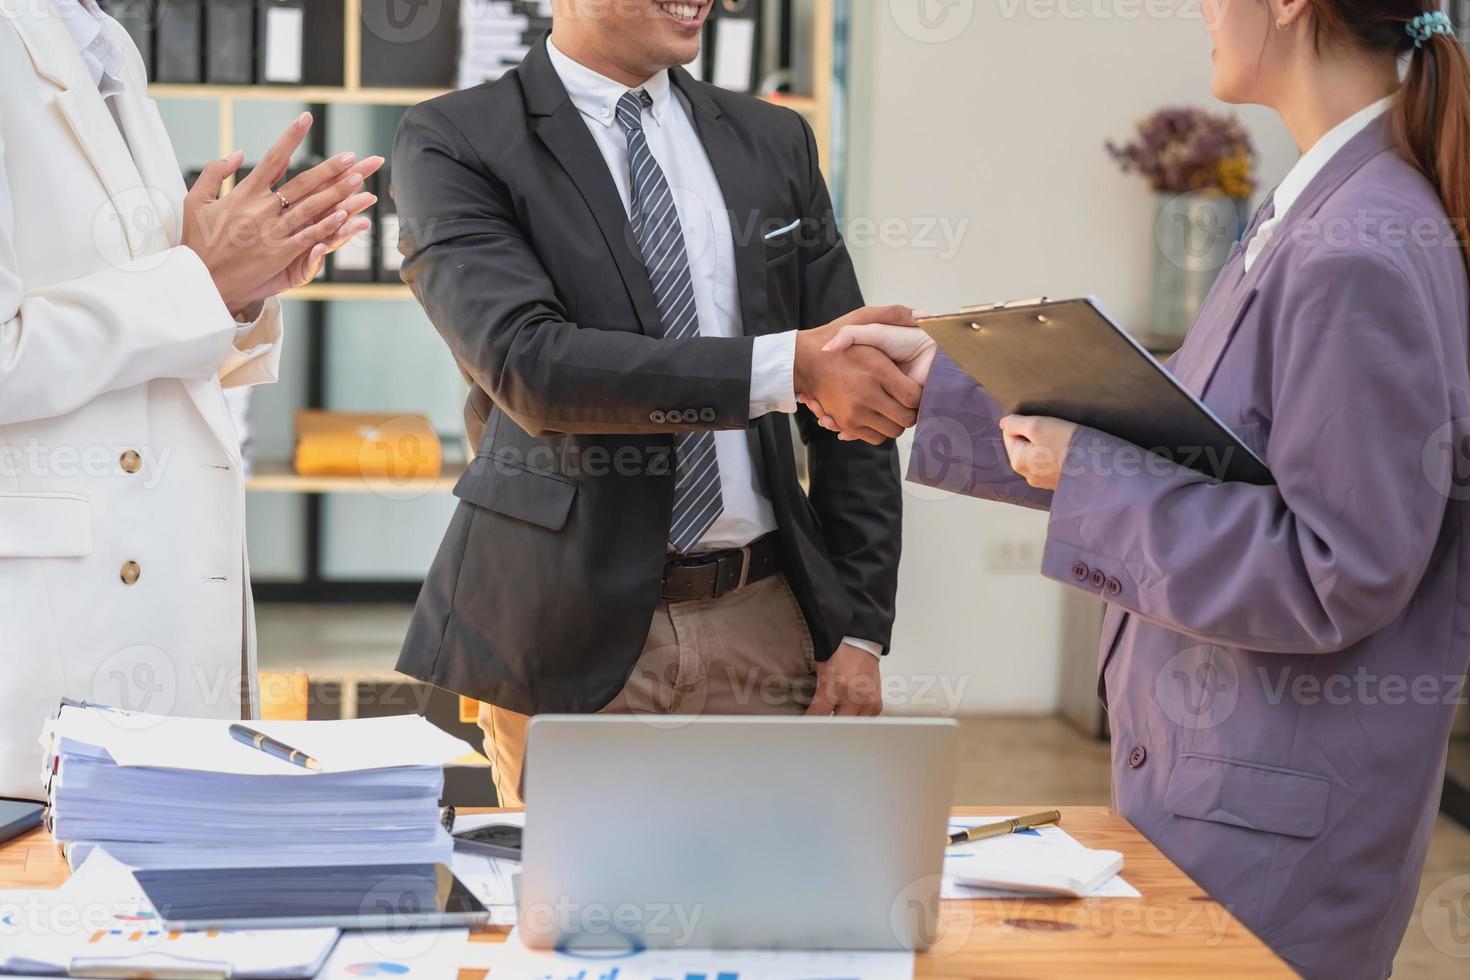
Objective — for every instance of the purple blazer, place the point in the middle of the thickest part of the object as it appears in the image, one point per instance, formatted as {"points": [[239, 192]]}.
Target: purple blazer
{"points": [[1281, 664]]}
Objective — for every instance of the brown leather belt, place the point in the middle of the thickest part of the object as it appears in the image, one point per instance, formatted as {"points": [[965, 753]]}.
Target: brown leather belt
{"points": [[717, 573]]}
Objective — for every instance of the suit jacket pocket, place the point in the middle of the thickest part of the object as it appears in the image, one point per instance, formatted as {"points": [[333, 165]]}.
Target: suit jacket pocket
{"points": [[1247, 794], [45, 525], [516, 490]]}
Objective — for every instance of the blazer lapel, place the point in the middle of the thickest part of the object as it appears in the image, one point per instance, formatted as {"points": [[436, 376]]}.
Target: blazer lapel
{"points": [[559, 125], [57, 60], [739, 175]]}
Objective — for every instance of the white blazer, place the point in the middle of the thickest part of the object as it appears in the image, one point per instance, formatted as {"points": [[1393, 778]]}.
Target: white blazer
{"points": [[123, 575]]}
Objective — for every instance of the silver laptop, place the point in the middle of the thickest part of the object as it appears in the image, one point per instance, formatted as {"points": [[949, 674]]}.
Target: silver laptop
{"points": [[734, 832]]}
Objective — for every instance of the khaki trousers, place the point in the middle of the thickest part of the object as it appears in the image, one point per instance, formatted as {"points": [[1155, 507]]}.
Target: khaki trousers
{"points": [[746, 653]]}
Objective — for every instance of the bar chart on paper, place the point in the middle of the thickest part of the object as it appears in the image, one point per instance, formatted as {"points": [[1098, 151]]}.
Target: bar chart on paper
{"points": [[691, 964]]}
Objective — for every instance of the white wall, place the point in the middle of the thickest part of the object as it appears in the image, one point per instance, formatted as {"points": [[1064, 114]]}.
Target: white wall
{"points": [[988, 118]]}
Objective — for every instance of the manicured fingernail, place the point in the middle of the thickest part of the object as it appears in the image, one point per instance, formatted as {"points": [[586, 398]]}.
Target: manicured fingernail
{"points": [[829, 345], [921, 313], [304, 119], [355, 180], [347, 159], [340, 215]]}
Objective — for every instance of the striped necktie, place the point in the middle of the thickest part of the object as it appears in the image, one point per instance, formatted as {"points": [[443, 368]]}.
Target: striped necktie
{"points": [[698, 502]]}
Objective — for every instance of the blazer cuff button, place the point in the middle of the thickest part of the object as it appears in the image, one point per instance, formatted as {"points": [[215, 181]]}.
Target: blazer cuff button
{"points": [[707, 415], [1080, 571], [656, 417]]}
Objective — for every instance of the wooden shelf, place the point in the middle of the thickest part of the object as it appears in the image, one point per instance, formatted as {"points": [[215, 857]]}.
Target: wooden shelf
{"points": [[340, 95], [357, 291], [329, 94], [277, 476]]}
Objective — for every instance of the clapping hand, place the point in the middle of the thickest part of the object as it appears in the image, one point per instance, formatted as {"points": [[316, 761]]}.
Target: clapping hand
{"points": [[260, 239]]}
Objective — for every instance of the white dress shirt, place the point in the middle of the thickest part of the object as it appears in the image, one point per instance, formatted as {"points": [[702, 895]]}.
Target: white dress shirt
{"points": [[708, 239], [101, 54], [1306, 170]]}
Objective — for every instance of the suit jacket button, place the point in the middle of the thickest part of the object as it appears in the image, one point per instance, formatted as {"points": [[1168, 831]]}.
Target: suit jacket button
{"points": [[130, 461], [130, 572], [1137, 757], [1080, 571], [656, 417], [1114, 587], [707, 415], [1097, 579], [691, 416]]}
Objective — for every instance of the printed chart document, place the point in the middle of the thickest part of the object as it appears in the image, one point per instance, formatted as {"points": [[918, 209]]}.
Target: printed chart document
{"points": [[100, 922], [1052, 853], [663, 964]]}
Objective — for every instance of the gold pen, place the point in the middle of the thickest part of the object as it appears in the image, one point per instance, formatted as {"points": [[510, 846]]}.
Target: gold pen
{"points": [[1005, 827]]}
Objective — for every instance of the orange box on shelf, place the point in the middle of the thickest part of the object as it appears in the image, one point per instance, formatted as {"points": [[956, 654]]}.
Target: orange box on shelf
{"points": [[398, 447]]}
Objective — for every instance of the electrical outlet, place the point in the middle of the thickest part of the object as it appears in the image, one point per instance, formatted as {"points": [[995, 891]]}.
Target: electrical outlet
{"points": [[1013, 557]]}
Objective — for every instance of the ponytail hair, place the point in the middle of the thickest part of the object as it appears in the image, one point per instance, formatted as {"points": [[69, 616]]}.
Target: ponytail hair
{"points": [[1431, 120], [1431, 114]]}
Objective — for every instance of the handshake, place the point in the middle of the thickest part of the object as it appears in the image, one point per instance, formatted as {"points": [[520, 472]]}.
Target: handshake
{"points": [[863, 375]]}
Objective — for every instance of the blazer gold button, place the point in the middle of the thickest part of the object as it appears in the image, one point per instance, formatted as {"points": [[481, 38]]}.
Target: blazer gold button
{"points": [[707, 415], [1137, 757], [656, 417], [131, 572], [1097, 579], [130, 461], [1080, 571], [1114, 587]]}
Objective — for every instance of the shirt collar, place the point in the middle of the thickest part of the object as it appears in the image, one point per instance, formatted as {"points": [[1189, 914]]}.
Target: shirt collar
{"points": [[100, 52], [596, 96], [1314, 160]]}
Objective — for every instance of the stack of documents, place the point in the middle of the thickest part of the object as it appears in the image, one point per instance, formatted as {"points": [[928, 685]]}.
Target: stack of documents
{"points": [[158, 792], [494, 35], [1040, 861]]}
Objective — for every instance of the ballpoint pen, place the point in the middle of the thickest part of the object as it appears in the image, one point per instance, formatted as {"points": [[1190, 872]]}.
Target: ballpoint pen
{"points": [[270, 746], [1003, 827]]}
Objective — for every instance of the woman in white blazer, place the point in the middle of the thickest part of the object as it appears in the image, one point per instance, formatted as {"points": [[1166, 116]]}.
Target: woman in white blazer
{"points": [[125, 307]]}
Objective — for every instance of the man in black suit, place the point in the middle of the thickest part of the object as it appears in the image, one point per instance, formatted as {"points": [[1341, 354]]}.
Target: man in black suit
{"points": [[625, 262]]}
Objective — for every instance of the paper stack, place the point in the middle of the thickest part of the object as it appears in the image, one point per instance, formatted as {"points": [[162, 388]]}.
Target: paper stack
{"points": [[158, 792], [494, 35]]}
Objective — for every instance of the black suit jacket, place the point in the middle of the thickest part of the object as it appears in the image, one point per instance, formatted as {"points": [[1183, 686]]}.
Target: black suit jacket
{"points": [[516, 242]]}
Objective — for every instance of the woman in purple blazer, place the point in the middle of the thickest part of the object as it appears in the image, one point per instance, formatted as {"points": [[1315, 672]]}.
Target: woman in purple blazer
{"points": [[1281, 664]]}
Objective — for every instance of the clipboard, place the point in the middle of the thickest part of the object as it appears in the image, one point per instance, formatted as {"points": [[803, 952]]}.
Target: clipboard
{"points": [[1067, 359]]}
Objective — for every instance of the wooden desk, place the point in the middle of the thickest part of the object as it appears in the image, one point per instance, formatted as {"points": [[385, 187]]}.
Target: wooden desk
{"points": [[1173, 931]]}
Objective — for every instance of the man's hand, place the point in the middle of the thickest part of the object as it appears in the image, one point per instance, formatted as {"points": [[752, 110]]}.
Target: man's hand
{"points": [[862, 390], [848, 685], [1037, 447], [911, 350]]}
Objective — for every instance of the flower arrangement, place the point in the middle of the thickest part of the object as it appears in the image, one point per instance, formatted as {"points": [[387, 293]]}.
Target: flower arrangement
{"points": [[1183, 149]]}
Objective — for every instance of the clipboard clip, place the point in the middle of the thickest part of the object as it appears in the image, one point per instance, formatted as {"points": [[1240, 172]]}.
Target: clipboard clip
{"points": [[992, 307]]}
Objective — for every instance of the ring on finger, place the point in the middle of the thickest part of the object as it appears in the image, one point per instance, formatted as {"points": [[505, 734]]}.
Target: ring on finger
{"points": [[285, 204]]}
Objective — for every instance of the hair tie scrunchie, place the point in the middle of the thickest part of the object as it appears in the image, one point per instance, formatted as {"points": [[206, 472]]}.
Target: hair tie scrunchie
{"points": [[1425, 26]]}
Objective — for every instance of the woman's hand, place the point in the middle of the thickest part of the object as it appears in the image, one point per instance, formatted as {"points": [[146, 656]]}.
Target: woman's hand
{"points": [[909, 348], [252, 245], [1037, 447]]}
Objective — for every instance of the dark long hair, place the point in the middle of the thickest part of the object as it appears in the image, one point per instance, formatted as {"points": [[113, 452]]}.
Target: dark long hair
{"points": [[1431, 116]]}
